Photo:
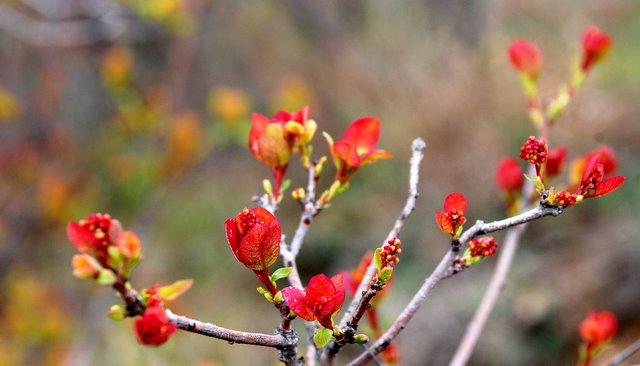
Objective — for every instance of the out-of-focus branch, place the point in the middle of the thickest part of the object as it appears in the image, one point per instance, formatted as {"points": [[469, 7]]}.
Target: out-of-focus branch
{"points": [[417, 147], [115, 24], [496, 285], [444, 270], [626, 353]]}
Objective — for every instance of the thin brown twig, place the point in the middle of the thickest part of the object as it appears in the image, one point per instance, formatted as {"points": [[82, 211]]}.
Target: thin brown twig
{"points": [[229, 335], [444, 270], [417, 147]]}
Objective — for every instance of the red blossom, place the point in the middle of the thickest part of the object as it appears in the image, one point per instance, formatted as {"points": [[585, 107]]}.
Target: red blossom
{"points": [[509, 175], [607, 158], [555, 161], [154, 328], [322, 299], [595, 46], [452, 218], [254, 237], [525, 57], [485, 246], [94, 235], [357, 147], [598, 328], [565, 199], [535, 152]]}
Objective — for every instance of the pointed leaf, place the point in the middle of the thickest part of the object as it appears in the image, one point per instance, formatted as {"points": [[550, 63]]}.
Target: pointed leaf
{"points": [[281, 273], [377, 260], [607, 186], [322, 337], [175, 290]]}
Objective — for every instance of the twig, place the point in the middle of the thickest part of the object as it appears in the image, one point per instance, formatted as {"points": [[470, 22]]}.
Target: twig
{"points": [[289, 253], [443, 271], [626, 353], [111, 26], [496, 285], [417, 147], [229, 335]]}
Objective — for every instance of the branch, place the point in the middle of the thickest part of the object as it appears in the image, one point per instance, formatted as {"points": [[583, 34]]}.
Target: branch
{"points": [[626, 353], [444, 270], [229, 335], [496, 285], [417, 147], [284, 341], [113, 25], [289, 254]]}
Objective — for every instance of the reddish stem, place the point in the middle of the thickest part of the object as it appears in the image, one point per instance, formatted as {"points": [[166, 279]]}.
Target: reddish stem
{"points": [[263, 276]]}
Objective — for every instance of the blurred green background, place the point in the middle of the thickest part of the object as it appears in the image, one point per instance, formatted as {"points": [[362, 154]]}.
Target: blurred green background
{"points": [[142, 108]]}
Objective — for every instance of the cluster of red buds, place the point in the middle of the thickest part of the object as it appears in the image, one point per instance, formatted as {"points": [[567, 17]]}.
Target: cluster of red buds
{"points": [[477, 249], [452, 218], [485, 246], [535, 152], [390, 251]]}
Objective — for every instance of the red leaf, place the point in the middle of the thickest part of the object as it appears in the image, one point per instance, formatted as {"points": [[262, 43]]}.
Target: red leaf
{"points": [[347, 152], [233, 235], [607, 186], [363, 133], [455, 201], [444, 222], [80, 236]]}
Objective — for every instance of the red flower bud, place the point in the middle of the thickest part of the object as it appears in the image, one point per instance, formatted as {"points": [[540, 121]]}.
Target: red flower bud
{"points": [[555, 161], [565, 199], [607, 158], [357, 147], [129, 245], [154, 328], [509, 175], [322, 299], [254, 237], [452, 218], [595, 45], [525, 57], [535, 152], [485, 246], [598, 328]]}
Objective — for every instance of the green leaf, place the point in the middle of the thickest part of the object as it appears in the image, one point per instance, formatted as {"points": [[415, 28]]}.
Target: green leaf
{"points": [[106, 277], [377, 260], [285, 185], [385, 274], [175, 290], [117, 312], [322, 337], [268, 188], [281, 273], [278, 299], [262, 291]]}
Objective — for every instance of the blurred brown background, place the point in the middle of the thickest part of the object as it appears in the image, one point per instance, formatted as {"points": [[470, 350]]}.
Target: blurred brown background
{"points": [[141, 108]]}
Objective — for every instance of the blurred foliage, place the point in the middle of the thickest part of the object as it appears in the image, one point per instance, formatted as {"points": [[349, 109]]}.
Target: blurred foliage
{"points": [[152, 127]]}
